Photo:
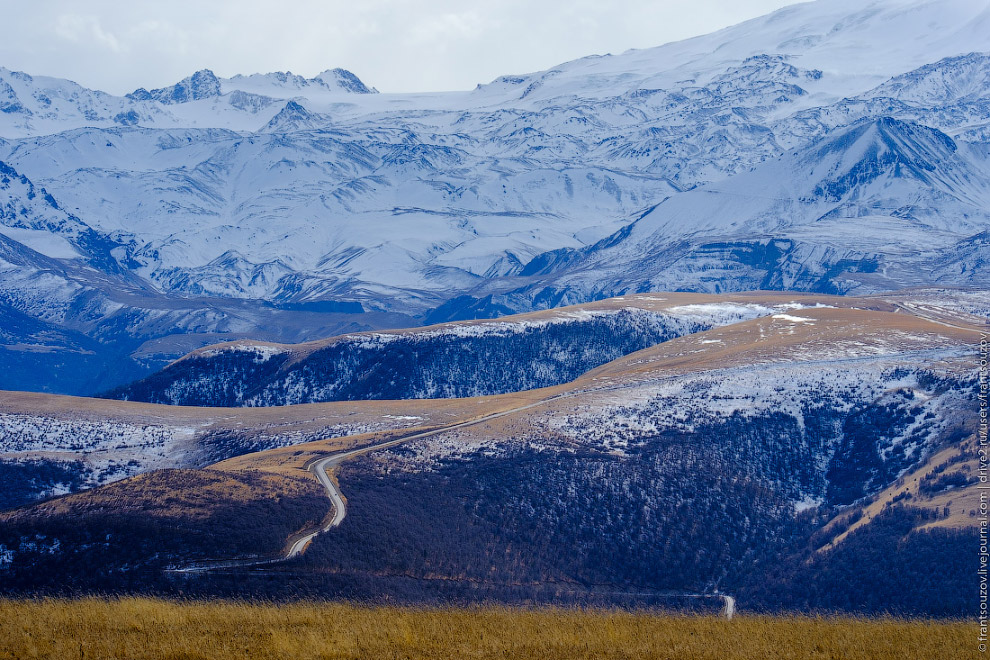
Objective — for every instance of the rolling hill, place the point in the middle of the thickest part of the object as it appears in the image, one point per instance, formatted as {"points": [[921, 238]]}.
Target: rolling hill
{"points": [[731, 458]]}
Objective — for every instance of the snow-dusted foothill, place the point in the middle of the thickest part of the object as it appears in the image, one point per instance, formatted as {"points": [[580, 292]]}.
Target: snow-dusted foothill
{"points": [[451, 360]]}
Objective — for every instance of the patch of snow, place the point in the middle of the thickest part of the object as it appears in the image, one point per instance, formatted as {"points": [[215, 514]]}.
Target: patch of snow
{"points": [[808, 502], [793, 319], [263, 352], [45, 242]]}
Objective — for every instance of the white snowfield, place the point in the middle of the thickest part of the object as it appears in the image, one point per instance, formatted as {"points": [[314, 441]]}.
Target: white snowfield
{"points": [[828, 135], [793, 319]]}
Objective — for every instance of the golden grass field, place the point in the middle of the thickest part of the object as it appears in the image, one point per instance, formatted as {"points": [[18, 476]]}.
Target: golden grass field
{"points": [[136, 628]]}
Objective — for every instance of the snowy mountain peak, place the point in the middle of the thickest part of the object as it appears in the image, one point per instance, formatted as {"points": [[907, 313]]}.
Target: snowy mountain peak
{"points": [[345, 80], [294, 117], [285, 84], [274, 78], [884, 147], [829, 36], [294, 111], [201, 85]]}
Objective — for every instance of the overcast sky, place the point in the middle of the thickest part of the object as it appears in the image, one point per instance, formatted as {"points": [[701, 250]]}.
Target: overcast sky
{"points": [[394, 45]]}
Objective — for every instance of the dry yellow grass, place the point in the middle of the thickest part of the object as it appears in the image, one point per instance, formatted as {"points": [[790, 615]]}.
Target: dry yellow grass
{"points": [[829, 334], [153, 629], [176, 494]]}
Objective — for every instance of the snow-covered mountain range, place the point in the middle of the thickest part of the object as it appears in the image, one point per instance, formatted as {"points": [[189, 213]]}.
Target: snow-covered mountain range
{"points": [[833, 146]]}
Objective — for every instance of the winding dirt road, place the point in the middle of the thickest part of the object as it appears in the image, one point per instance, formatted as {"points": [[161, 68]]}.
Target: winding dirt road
{"points": [[322, 466], [321, 469]]}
